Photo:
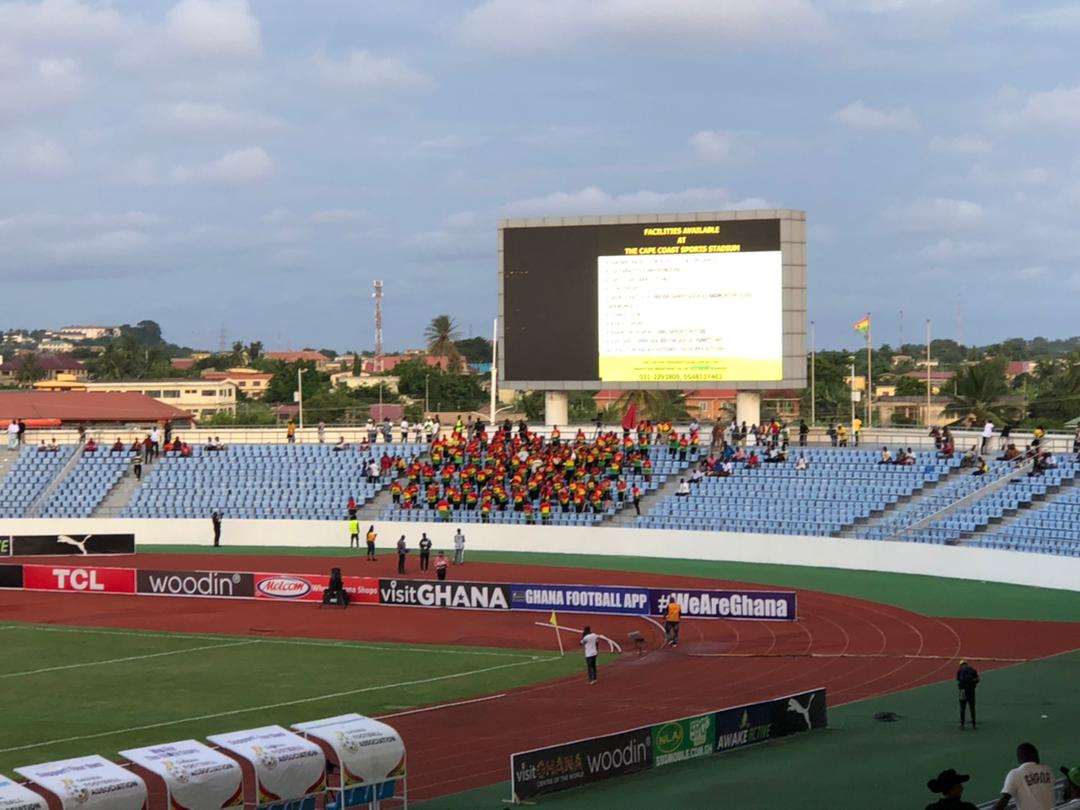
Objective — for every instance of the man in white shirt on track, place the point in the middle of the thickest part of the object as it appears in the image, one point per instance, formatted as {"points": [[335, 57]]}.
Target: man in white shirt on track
{"points": [[589, 642], [1030, 784]]}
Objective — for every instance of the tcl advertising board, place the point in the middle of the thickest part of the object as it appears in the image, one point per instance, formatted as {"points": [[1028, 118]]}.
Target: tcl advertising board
{"points": [[78, 579]]}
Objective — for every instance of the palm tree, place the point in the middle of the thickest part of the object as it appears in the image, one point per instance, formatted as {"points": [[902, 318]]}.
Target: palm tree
{"points": [[980, 391], [239, 354], [254, 349], [441, 334], [655, 405], [30, 370]]}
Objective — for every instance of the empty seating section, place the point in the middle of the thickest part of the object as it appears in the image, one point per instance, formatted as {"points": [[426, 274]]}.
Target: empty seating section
{"points": [[525, 481], [28, 477], [838, 488], [960, 484], [292, 481], [87, 485]]}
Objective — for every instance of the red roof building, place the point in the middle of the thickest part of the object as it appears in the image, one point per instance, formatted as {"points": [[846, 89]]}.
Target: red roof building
{"points": [[1017, 367], [76, 407], [318, 358], [387, 362], [50, 364]]}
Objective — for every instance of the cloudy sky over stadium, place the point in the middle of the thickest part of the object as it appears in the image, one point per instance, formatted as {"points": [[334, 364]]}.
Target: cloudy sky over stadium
{"points": [[210, 162]]}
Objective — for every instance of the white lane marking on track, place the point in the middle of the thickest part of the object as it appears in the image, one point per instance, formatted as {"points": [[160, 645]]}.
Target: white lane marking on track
{"points": [[268, 706], [266, 640], [439, 706], [108, 661]]}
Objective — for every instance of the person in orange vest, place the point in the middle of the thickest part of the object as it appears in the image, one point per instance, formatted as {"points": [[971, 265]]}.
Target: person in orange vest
{"points": [[443, 508], [545, 511], [672, 617], [529, 517], [684, 446]]}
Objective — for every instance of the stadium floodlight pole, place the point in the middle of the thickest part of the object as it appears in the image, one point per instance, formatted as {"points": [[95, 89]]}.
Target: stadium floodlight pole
{"points": [[852, 380], [813, 374], [300, 372], [494, 385], [928, 372], [869, 374]]}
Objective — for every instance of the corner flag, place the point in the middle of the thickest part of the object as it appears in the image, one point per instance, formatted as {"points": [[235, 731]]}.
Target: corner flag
{"points": [[553, 621]]}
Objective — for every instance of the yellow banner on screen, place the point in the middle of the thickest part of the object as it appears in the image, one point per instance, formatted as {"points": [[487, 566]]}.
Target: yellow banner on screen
{"points": [[615, 368]]}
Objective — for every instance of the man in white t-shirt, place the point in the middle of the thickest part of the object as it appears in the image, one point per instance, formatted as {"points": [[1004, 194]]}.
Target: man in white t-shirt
{"points": [[13, 435], [987, 435], [1072, 789], [1030, 785], [590, 642]]}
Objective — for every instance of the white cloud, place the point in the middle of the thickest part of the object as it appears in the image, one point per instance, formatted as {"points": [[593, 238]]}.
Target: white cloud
{"points": [[30, 87], [234, 168], [200, 119], [859, 115], [593, 200], [530, 26], [463, 235], [938, 214], [339, 216], [712, 146], [1059, 107], [62, 21], [215, 29], [961, 145], [36, 157], [366, 74]]}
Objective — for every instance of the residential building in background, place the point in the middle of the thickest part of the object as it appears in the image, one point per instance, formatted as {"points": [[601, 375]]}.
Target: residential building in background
{"points": [[50, 367], [250, 382], [320, 360], [89, 332], [201, 398]]}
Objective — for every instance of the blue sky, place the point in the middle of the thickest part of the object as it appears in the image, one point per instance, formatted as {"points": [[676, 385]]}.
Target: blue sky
{"points": [[257, 165]]}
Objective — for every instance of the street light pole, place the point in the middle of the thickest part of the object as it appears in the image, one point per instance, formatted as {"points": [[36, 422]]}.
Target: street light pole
{"points": [[813, 374], [852, 379], [427, 391], [300, 393], [928, 372]]}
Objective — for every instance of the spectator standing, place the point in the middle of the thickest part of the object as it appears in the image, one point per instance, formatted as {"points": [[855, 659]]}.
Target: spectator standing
{"points": [[136, 467], [13, 434], [967, 678], [425, 551], [322, 432], [371, 536], [1072, 789], [589, 643], [402, 551], [215, 520], [290, 432], [22, 431], [856, 430], [841, 435], [949, 784], [354, 533], [672, 619], [440, 566], [987, 435], [804, 432], [1030, 784], [635, 494], [459, 548]]}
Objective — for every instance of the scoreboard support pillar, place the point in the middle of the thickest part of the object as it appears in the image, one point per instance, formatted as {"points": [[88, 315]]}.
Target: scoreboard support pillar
{"points": [[748, 407], [556, 408]]}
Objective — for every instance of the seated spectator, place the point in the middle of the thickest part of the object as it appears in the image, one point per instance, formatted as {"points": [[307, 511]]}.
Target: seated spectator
{"points": [[136, 446], [901, 456], [886, 456], [970, 459], [185, 450], [949, 784], [1030, 785], [118, 446], [683, 490], [43, 448], [91, 446], [740, 454], [696, 475], [1072, 788], [727, 469], [982, 467], [753, 462], [1010, 454], [909, 458], [54, 447], [801, 463], [947, 449]]}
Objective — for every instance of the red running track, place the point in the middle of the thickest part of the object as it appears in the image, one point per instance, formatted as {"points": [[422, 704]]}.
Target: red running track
{"points": [[854, 648]]}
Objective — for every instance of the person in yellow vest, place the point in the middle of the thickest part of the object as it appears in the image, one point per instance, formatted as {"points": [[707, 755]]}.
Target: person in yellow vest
{"points": [[354, 534], [856, 430], [371, 542], [672, 617], [841, 435]]}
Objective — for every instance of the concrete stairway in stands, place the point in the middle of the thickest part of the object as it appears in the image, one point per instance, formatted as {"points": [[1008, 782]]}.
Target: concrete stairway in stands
{"points": [[120, 495]]}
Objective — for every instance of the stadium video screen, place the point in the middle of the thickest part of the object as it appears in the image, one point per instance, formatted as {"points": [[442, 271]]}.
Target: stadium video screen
{"points": [[674, 302]]}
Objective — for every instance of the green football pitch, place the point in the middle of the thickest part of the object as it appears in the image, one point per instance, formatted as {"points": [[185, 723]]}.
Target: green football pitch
{"points": [[69, 691]]}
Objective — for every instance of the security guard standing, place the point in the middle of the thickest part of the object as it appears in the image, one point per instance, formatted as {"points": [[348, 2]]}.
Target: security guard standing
{"points": [[672, 617], [354, 533], [425, 551], [967, 678]]}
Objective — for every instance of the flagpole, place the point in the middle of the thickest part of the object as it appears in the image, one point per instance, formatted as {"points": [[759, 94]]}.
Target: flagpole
{"points": [[869, 382], [813, 374], [555, 623], [928, 372]]}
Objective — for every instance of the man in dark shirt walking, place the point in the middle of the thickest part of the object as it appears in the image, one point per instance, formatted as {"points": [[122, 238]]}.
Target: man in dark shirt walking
{"points": [[425, 551], [215, 519], [402, 550], [967, 678]]}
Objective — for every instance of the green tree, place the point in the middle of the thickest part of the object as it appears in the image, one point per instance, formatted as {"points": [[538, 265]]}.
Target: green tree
{"points": [[30, 370], [474, 349], [125, 358], [910, 387], [247, 414], [239, 354], [254, 350], [653, 405], [440, 335], [980, 393], [283, 383]]}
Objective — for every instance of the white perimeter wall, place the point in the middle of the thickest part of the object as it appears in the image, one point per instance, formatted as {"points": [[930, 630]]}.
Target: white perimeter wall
{"points": [[1040, 570]]}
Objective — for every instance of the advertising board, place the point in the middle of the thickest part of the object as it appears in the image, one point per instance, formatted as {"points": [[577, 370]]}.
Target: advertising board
{"points": [[78, 579]]}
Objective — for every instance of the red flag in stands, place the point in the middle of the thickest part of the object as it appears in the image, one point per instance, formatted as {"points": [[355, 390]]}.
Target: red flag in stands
{"points": [[630, 419]]}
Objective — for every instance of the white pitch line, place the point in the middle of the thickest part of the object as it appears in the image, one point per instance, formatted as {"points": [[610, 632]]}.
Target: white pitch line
{"points": [[441, 706], [128, 658], [268, 706], [358, 645]]}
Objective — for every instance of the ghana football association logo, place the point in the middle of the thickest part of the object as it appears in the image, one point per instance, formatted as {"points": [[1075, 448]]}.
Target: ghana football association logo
{"points": [[178, 771], [265, 758], [79, 793], [349, 742]]}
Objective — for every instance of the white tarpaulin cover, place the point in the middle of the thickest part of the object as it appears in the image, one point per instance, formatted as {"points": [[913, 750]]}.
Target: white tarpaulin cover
{"points": [[16, 797], [369, 751], [198, 777], [89, 783], [286, 765]]}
